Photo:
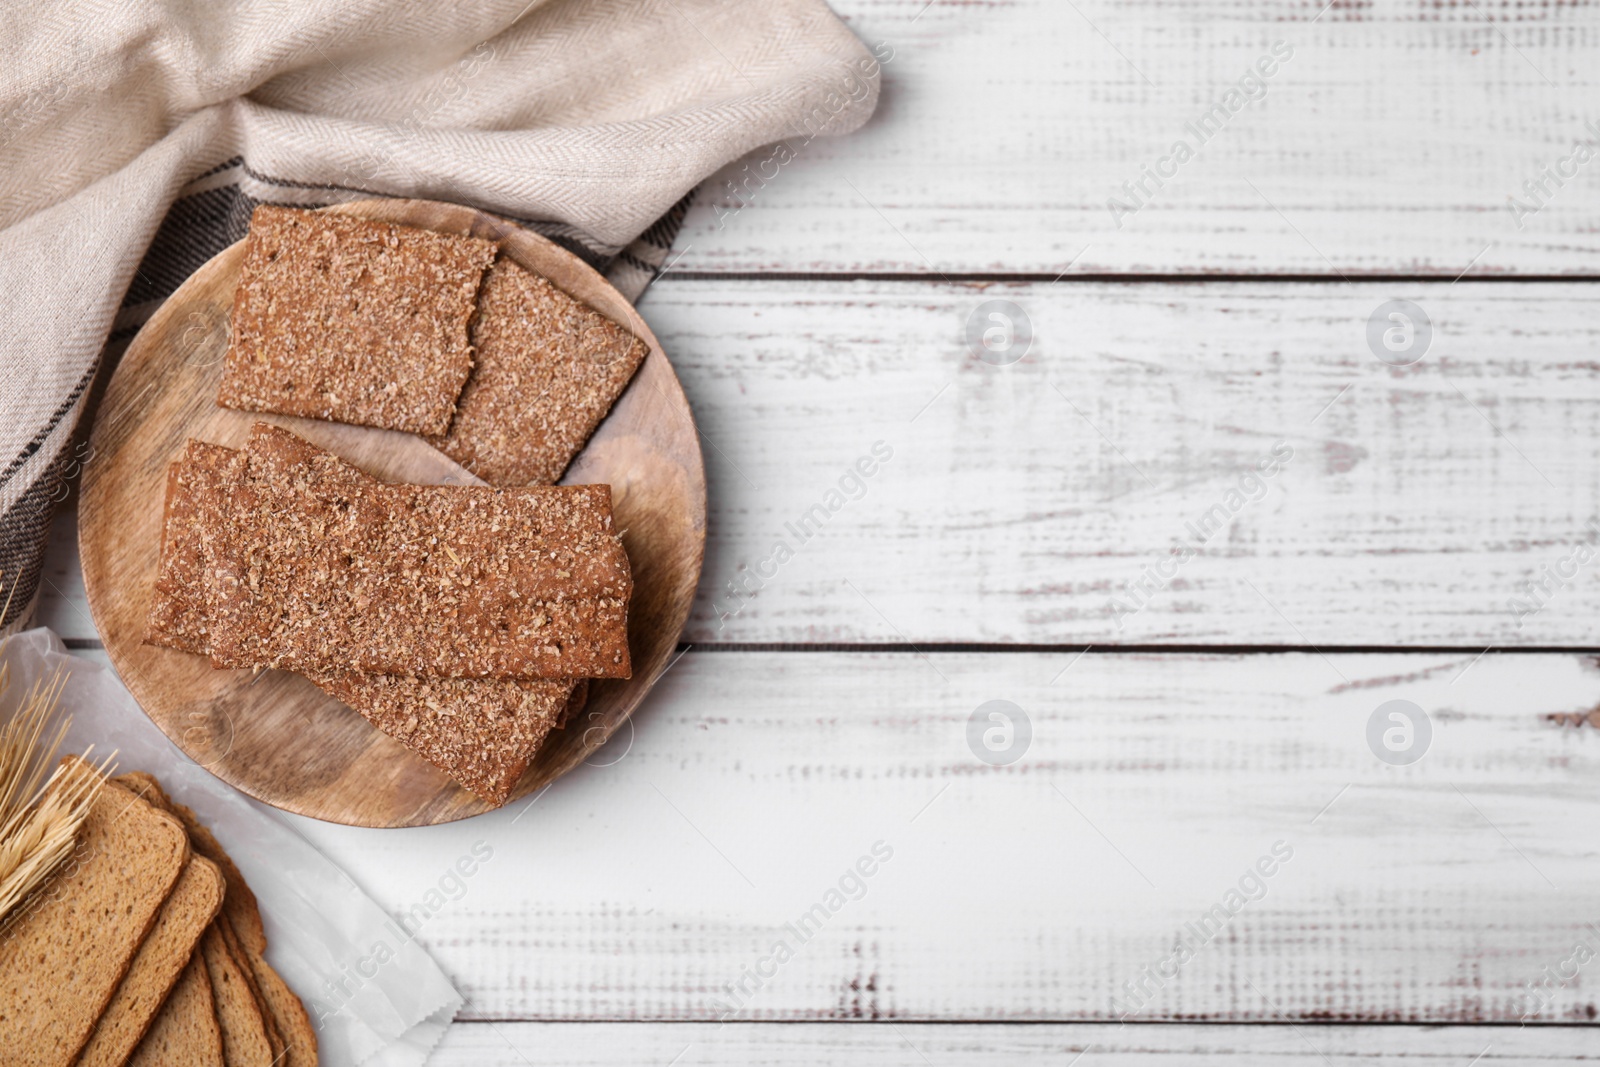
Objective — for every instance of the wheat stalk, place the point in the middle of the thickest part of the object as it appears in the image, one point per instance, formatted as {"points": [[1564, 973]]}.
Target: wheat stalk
{"points": [[39, 818], [44, 836], [24, 761]]}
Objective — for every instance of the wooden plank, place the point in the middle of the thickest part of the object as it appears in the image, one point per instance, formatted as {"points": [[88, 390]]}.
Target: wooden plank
{"points": [[517, 1044], [1040, 502], [1391, 140], [659, 886], [1025, 503]]}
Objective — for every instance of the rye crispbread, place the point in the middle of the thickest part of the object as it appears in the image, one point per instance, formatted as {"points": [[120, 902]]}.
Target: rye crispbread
{"points": [[167, 948], [177, 607], [546, 370], [63, 956], [245, 932], [481, 733], [185, 1032], [356, 321], [575, 703], [316, 574]]}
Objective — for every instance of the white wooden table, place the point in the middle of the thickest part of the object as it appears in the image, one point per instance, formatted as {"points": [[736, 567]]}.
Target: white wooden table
{"points": [[1030, 910]]}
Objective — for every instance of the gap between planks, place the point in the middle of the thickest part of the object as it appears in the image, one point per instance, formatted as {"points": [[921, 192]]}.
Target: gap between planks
{"points": [[94, 644], [511, 1043], [1199, 277]]}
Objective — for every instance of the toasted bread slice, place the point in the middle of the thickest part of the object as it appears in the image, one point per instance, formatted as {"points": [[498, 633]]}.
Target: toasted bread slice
{"points": [[194, 902], [242, 916], [185, 1032], [69, 948], [308, 570], [481, 733], [245, 1042], [178, 603]]}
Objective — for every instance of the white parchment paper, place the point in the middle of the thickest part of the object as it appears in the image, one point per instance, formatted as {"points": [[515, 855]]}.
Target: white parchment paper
{"points": [[375, 997]]}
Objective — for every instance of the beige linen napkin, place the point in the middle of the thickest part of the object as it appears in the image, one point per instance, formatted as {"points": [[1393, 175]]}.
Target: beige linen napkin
{"points": [[135, 138]]}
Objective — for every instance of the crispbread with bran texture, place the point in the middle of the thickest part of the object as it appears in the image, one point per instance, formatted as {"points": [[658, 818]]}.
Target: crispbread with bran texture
{"points": [[314, 573], [481, 733], [185, 1032], [575, 703], [177, 604], [193, 903], [546, 369], [242, 915], [352, 320], [63, 957], [245, 1038]]}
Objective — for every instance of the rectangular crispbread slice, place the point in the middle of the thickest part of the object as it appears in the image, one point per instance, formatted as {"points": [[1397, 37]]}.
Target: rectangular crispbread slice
{"points": [[546, 370], [63, 957], [313, 573], [342, 318], [185, 1032], [167, 948], [242, 916], [481, 733], [178, 607]]}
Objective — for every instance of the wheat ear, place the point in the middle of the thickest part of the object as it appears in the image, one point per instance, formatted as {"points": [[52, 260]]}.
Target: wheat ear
{"points": [[39, 819]]}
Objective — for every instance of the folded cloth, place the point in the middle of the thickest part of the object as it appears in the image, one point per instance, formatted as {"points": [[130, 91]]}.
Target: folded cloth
{"points": [[136, 138], [323, 932]]}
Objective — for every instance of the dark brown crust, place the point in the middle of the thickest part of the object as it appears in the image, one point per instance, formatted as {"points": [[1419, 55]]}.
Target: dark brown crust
{"points": [[356, 321], [246, 1040], [241, 960], [546, 370], [307, 571]]}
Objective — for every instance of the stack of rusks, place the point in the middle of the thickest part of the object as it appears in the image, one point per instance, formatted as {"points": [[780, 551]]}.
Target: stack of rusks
{"points": [[463, 621]]}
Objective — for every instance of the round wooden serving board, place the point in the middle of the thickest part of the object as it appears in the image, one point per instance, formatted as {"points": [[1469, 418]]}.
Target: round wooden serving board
{"points": [[273, 734]]}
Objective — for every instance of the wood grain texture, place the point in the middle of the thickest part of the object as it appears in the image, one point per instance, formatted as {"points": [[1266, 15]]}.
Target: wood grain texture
{"points": [[273, 734], [645, 884], [1390, 142], [1418, 504], [1024, 503], [519, 1044]]}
